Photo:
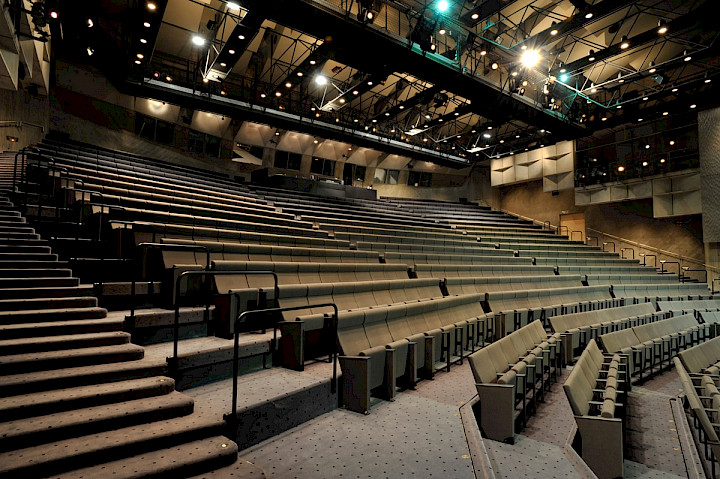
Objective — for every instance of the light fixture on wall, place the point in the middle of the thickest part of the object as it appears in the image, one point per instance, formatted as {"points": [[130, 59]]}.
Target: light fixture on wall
{"points": [[12, 139]]}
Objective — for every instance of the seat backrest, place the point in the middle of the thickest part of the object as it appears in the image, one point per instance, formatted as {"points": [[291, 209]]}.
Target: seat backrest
{"points": [[482, 367], [351, 334], [617, 340]]}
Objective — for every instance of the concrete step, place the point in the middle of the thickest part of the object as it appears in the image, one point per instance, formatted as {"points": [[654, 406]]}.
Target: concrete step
{"points": [[182, 460], [38, 282], [50, 402], [30, 272], [32, 264], [9, 213], [41, 304], [23, 433], [60, 342], [69, 358], [6, 234], [83, 290], [11, 220], [71, 377], [93, 449], [19, 257], [5, 247], [15, 228], [58, 328]]}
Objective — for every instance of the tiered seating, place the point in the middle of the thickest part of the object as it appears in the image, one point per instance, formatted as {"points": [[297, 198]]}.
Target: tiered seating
{"points": [[383, 345], [467, 269], [652, 344], [577, 329], [506, 375], [689, 306], [469, 285], [597, 391], [523, 306], [656, 292], [703, 358]]}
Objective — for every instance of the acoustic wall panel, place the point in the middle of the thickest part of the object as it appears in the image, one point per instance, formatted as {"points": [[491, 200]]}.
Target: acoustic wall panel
{"points": [[709, 147]]}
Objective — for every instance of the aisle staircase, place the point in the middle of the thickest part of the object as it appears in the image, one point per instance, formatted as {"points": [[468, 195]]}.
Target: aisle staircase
{"points": [[77, 398]]}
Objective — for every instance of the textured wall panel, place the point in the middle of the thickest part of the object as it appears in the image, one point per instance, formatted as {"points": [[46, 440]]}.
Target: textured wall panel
{"points": [[709, 145]]}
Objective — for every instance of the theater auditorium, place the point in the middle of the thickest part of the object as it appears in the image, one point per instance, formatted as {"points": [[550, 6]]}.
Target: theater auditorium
{"points": [[457, 239]]}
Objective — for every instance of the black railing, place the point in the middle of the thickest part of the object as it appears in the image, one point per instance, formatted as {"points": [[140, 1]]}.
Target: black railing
{"points": [[686, 270], [576, 231], [231, 418], [622, 252], [173, 361], [592, 237], [167, 246], [645, 256], [605, 243], [560, 228], [549, 225], [662, 267]]}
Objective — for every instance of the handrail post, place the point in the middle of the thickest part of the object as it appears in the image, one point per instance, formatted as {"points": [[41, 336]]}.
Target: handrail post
{"points": [[231, 418], [588, 238], [576, 231], [607, 243], [622, 252]]}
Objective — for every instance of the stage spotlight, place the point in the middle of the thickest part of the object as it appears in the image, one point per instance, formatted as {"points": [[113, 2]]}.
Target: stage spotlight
{"points": [[530, 58], [494, 66], [442, 6], [321, 80], [624, 43], [662, 27], [198, 40]]}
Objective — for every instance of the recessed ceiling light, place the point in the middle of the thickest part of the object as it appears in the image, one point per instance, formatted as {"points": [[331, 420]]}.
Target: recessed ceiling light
{"points": [[278, 94], [299, 74], [604, 118], [138, 62], [588, 15], [662, 160], [672, 142], [708, 80], [645, 98], [624, 43], [693, 105], [591, 58], [142, 40], [621, 168], [321, 80], [674, 90], [474, 16], [619, 107], [369, 83], [90, 23], [441, 31], [241, 37], [644, 163], [206, 80], [687, 58], [231, 52], [140, 56], [665, 113], [198, 40], [494, 66], [640, 119], [263, 95], [222, 92], [342, 100], [593, 90], [652, 70], [146, 24], [483, 52], [553, 32], [233, 6], [647, 147], [151, 6], [402, 107], [223, 64]]}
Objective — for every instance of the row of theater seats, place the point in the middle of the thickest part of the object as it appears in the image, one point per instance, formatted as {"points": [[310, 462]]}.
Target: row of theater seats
{"points": [[597, 390], [698, 369], [510, 376]]}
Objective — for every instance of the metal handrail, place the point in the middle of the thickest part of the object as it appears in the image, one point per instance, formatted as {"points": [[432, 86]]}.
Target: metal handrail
{"points": [[231, 417], [588, 238], [662, 268], [547, 222], [173, 361], [688, 270], [559, 230], [606, 243], [622, 252], [170, 246], [645, 256], [576, 231]]}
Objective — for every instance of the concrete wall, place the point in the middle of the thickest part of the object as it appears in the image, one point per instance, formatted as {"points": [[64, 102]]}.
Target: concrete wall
{"points": [[632, 220], [20, 106]]}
